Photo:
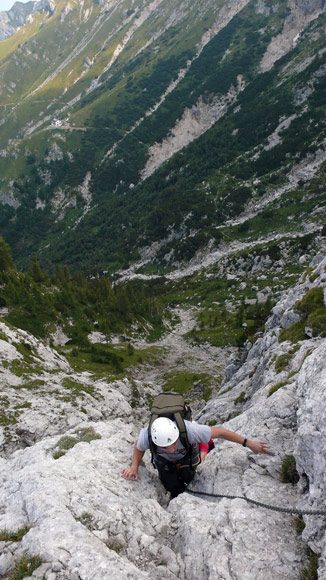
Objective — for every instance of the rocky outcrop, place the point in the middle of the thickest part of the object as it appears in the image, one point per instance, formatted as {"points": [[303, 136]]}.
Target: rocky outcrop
{"points": [[292, 418], [19, 14], [310, 445], [194, 122], [302, 12], [15, 17], [42, 396]]}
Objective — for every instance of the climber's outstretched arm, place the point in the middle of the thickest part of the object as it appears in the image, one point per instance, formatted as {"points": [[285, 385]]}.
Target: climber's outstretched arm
{"points": [[255, 446]]}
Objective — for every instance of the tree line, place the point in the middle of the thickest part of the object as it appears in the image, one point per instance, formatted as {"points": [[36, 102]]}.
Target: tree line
{"points": [[38, 302]]}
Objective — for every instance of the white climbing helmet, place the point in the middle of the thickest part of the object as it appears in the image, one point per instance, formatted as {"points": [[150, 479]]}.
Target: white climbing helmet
{"points": [[164, 432]]}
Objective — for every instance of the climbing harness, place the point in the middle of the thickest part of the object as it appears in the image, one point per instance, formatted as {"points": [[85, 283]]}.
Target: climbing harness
{"points": [[258, 503]]}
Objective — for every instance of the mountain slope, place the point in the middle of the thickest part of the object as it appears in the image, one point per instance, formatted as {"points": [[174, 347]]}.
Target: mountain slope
{"points": [[158, 105]]}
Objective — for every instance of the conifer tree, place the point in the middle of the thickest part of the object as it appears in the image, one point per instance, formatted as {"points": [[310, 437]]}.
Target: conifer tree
{"points": [[37, 273], [6, 261]]}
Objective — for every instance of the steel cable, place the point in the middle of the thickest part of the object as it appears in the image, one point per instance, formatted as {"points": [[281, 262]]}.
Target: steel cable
{"points": [[260, 504]]}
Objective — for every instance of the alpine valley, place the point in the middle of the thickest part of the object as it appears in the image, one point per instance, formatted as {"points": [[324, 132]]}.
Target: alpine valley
{"points": [[162, 215]]}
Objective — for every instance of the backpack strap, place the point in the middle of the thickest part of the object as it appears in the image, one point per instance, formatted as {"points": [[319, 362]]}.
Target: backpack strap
{"points": [[152, 446], [182, 430]]}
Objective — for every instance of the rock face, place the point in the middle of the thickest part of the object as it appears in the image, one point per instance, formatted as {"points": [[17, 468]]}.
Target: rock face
{"points": [[87, 523], [84, 518], [311, 443], [302, 12], [41, 396], [18, 15], [194, 123]]}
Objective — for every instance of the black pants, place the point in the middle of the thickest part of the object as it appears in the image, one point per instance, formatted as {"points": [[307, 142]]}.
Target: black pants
{"points": [[175, 479]]}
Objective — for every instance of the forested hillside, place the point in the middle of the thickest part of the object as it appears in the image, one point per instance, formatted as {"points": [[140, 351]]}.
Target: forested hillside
{"points": [[143, 123], [39, 303]]}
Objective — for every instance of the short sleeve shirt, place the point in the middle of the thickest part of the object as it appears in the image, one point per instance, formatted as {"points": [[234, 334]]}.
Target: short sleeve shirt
{"points": [[196, 434]]}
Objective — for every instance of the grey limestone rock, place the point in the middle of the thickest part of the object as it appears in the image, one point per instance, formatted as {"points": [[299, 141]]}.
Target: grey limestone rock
{"points": [[7, 563], [18, 15], [311, 441]]}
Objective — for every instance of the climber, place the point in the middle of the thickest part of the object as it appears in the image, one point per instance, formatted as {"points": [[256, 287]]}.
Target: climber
{"points": [[176, 466]]}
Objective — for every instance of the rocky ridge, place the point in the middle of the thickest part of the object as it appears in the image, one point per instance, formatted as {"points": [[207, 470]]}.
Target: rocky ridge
{"points": [[86, 523], [20, 13]]}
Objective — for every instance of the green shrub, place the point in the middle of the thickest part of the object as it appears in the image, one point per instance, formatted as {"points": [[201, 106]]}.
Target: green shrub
{"points": [[310, 572], [313, 276], [313, 311], [289, 472], [6, 536], [67, 442], [207, 394], [183, 382], [317, 322], [87, 520], [312, 300], [294, 333], [299, 524], [283, 360], [6, 261], [25, 567], [77, 389], [276, 387], [115, 546], [241, 398], [58, 454], [85, 435]]}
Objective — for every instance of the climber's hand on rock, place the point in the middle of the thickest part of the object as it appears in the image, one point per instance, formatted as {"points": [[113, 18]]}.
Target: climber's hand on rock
{"points": [[258, 446], [130, 473]]}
